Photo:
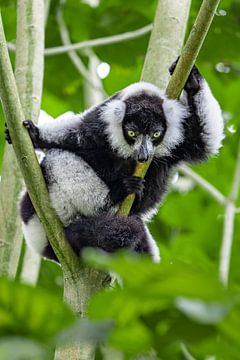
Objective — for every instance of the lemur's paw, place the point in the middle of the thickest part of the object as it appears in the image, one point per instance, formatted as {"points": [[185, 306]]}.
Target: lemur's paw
{"points": [[7, 135], [32, 130], [134, 185]]}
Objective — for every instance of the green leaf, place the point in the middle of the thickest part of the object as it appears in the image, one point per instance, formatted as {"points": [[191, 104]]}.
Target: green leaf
{"points": [[31, 312]]}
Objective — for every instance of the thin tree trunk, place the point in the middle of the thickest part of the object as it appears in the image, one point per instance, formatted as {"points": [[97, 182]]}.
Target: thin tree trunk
{"points": [[29, 80], [10, 225]]}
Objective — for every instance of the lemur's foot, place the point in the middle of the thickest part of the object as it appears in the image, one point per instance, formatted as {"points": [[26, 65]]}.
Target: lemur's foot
{"points": [[7, 135], [193, 82], [33, 131]]}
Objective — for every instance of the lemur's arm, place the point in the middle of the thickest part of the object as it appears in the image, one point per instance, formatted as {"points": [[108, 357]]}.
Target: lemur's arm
{"points": [[203, 129], [62, 132]]}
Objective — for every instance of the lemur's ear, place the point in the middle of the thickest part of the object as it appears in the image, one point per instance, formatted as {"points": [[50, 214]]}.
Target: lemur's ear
{"points": [[114, 110]]}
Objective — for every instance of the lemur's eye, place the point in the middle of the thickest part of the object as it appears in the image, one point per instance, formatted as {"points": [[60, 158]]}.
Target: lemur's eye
{"points": [[156, 134], [131, 133]]}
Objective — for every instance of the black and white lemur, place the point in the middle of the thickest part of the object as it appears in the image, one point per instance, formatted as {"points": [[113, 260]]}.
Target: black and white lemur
{"points": [[90, 160]]}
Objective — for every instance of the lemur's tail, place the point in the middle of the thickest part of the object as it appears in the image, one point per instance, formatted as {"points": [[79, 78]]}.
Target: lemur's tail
{"points": [[107, 232]]}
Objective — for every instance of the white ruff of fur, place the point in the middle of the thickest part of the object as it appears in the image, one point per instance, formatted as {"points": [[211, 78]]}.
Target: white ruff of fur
{"points": [[113, 114], [77, 189], [34, 235], [210, 115]]}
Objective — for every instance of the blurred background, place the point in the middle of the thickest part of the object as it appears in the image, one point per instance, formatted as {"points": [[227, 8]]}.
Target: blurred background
{"points": [[189, 226]]}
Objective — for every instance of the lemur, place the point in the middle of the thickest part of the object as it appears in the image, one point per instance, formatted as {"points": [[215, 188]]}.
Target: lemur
{"points": [[90, 160]]}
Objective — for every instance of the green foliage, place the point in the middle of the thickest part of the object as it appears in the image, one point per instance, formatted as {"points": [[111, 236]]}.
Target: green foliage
{"points": [[167, 305], [161, 308], [29, 320]]}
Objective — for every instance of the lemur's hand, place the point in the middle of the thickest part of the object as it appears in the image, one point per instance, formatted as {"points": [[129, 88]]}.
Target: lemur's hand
{"points": [[7, 135], [126, 186], [134, 185], [33, 132], [192, 85]]}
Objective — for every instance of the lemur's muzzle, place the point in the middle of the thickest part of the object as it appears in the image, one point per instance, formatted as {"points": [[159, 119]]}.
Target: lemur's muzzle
{"points": [[143, 149]]}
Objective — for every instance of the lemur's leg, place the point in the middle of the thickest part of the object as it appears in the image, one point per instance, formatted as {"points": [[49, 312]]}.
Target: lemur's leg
{"points": [[203, 129]]}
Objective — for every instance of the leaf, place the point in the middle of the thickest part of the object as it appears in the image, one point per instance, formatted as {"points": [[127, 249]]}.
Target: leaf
{"points": [[31, 312]]}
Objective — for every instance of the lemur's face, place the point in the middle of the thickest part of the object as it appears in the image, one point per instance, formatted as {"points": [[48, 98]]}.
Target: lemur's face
{"points": [[144, 125]]}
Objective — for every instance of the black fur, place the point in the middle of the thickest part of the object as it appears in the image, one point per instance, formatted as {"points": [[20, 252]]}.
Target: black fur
{"points": [[106, 232]]}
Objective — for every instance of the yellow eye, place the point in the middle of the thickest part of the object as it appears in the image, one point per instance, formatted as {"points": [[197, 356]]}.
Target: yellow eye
{"points": [[156, 134], [131, 133]]}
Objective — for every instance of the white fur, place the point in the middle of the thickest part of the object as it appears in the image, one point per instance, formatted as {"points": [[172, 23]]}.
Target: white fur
{"points": [[112, 114], [154, 250], [44, 118], [74, 187], [34, 235], [147, 216], [55, 130], [114, 110], [138, 88], [211, 118], [175, 114]]}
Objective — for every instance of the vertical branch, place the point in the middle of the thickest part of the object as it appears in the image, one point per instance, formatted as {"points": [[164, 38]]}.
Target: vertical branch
{"points": [[10, 224], [29, 55], [228, 227], [166, 40], [93, 94], [29, 80], [192, 47]]}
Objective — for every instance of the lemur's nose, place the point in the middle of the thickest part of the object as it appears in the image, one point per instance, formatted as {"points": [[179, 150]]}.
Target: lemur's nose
{"points": [[143, 157]]}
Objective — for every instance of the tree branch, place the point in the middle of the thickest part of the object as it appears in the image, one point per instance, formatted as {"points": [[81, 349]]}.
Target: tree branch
{"points": [[108, 40], [29, 80], [180, 75], [208, 187], [28, 162], [76, 60], [228, 227], [192, 47]]}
